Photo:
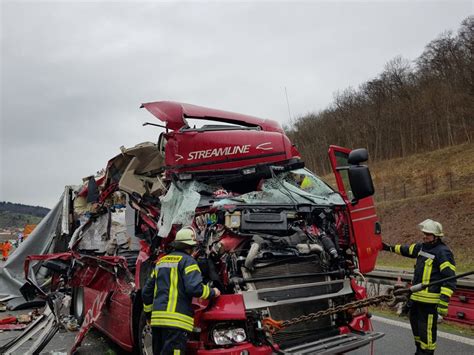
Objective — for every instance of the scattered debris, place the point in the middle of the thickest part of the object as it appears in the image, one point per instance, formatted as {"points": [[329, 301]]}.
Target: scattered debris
{"points": [[8, 320], [24, 318], [70, 323], [41, 329], [12, 326]]}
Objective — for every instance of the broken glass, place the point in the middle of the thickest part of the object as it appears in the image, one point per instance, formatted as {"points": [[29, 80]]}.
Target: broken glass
{"points": [[178, 205]]}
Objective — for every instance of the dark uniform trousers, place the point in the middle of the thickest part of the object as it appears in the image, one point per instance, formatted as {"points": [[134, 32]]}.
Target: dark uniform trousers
{"points": [[423, 320], [169, 341]]}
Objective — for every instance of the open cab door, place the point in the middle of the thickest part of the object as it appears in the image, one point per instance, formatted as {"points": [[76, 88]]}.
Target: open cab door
{"points": [[355, 185]]}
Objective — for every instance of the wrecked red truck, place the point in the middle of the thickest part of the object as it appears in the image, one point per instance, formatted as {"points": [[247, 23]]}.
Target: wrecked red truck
{"points": [[277, 241]]}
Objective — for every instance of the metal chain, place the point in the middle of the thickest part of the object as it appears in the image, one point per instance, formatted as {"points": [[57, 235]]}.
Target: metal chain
{"points": [[330, 311]]}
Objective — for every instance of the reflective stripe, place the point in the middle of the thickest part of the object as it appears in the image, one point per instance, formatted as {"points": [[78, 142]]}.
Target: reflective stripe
{"points": [[170, 259], [443, 303], [173, 316], [148, 308], [173, 294], [176, 352], [425, 297], [426, 255], [155, 290], [397, 249], [191, 268], [412, 247], [205, 292], [427, 294], [425, 346], [166, 265], [171, 323], [447, 264], [429, 332], [427, 271], [446, 291]]}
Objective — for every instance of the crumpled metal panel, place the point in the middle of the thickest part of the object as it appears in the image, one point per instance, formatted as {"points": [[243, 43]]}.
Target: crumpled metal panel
{"points": [[40, 241], [175, 114], [95, 236]]}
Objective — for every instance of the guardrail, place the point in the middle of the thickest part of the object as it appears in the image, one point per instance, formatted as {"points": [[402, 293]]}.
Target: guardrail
{"points": [[407, 276], [461, 305]]}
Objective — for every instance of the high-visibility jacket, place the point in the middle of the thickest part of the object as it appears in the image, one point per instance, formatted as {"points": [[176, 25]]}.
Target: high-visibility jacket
{"points": [[169, 290], [433, 262]]}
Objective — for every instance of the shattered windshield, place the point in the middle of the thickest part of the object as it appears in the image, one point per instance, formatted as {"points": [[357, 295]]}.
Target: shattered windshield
{"points": [[298, 186], [294, 187], [289, 188]]}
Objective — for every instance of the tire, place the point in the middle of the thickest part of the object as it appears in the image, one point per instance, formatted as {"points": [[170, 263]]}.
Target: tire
{"points": [[78, 304], [144, 337]]}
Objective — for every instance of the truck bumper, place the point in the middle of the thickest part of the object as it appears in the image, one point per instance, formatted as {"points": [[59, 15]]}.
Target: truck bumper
{"points": [[242, 349], [335, 345]]}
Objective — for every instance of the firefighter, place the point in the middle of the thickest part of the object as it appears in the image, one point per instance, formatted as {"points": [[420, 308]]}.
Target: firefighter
{"points": [[434, 261], [302, 181], [168, 293], [6, 250]]}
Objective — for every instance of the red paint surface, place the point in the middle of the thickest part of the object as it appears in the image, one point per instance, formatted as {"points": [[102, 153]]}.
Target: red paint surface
{"points": [[174, 115], [225, 307], [362, 217]]}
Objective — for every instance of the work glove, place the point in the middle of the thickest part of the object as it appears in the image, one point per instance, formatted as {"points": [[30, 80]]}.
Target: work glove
{"points": [[406, 308], [387, 247], [442, 310]]}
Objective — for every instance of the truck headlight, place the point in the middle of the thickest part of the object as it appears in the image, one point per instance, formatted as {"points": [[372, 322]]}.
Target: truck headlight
{"points": [[226, 336]]}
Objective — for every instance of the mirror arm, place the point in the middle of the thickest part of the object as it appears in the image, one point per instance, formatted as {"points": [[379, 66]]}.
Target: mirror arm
{"points": [[153, 124]]}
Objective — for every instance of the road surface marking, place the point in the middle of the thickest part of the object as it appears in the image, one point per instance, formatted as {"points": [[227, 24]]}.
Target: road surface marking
{"points": [[445, 335]]}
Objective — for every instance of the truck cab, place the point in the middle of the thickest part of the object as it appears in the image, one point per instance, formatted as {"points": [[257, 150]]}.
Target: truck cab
{"points": [[274, 238]]}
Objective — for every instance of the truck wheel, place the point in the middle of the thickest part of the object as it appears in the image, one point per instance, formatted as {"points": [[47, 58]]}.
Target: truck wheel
{"points": [[78, 304], [144, 337]]}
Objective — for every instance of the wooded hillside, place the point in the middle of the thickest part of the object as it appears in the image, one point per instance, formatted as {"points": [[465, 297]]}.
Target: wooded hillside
{"points": [[411, 107], [36, 211], [17, 215]]}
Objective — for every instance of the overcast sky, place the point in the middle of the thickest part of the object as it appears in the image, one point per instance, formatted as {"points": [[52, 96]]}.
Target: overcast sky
{"points": [[73, 74]]}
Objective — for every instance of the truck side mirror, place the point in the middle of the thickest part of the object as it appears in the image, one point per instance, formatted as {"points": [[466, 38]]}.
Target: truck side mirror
{"points": [[360, 181], [358, 156]]}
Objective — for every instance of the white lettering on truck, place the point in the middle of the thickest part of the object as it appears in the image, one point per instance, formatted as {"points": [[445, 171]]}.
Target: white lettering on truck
{"points": [[219, 152]]}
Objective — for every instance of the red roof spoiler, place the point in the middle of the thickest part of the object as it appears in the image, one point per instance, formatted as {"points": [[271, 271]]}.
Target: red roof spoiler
{"points": [[175, 114]]}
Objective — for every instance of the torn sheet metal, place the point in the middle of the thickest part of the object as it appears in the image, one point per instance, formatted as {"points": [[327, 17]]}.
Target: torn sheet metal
{"points": [[41, 241], [91, 317], [65, 225], [105, 274], [94, 236]]}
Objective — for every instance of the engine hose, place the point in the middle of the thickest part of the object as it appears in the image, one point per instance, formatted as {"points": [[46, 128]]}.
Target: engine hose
{"points": [[252, 254], [329, 246]]}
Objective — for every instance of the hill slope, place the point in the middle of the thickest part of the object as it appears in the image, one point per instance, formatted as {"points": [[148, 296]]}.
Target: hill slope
{"points": [[437, 185], [16, 215]]}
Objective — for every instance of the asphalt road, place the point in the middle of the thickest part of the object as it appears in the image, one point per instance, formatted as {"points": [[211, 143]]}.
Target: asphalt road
{"points": [[397, 340]]}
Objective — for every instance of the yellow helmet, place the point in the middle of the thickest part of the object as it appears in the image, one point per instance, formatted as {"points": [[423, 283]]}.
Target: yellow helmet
{"points": [[186, 236], [431, 227]]}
